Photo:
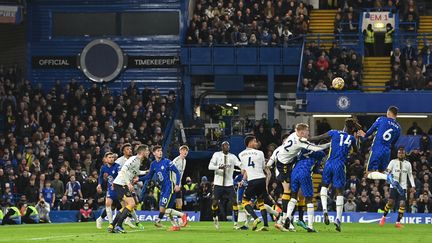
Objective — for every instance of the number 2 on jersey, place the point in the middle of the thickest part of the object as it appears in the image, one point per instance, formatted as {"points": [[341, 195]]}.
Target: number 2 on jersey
{"points": [[251, 163], [347, 141]]}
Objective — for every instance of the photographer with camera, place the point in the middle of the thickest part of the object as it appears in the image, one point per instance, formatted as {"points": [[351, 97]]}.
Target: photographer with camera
{"points": [[43, 209]]}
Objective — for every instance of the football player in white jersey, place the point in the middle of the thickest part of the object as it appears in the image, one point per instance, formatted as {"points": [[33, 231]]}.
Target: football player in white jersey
{"points": [[254, 172], [180, 164], [127, 153], [223, 163], [400, 168], [123, 186], [285, 157]]}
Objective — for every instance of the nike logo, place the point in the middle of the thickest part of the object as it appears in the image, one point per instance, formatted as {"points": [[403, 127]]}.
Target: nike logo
{"points": [[362, 220]]}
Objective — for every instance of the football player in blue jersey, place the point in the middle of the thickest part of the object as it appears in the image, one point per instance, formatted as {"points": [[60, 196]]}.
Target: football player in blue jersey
{"points": [[301, 178], [335, 168], [111, 169], [163, 169], [387, 131]]}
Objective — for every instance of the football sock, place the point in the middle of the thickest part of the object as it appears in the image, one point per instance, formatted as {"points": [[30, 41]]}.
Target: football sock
{"points": [[310, 213], [109, 214], [400, 213], [261, 207], [291, 206], [264, 217], [300, 212], [386, 209], [161, 215], [104, 214], [251, 212], [123, 215], [339, 207], [270, 210], [285, 199], [323, 195], [134, 216], [377, 176], [236, 212], [174, 212], [214, 209], [117, 217]]}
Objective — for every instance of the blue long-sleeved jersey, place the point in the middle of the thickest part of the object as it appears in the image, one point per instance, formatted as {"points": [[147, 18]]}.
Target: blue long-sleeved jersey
{"points": [[341, 143], [308, 161], [162, 169], [112, 172], [387, 133]]}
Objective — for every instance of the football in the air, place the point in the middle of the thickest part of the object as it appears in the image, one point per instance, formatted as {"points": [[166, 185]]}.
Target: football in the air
{"points": [[338, 83]]}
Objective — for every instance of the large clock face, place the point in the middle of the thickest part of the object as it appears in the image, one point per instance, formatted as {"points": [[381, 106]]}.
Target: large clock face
{"points": [[102, 60]]}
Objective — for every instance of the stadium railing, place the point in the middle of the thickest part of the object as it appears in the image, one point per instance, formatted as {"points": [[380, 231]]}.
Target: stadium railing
{"points": [[405, 24], [402, 39]]}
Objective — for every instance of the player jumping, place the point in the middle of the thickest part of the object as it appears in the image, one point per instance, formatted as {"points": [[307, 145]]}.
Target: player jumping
{"points": [[287, 152], [163, 169], [401, 169], [335, 168], [387, 133], [301, 177]]}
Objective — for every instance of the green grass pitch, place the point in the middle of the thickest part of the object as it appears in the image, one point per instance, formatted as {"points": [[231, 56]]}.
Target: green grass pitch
{"points": [[205, 232]]}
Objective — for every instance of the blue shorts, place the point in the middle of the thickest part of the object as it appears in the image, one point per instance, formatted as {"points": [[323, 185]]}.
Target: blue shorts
{"points": [[378, 160], [303, 181], [334, 173], [111, 194], [167, 197]]}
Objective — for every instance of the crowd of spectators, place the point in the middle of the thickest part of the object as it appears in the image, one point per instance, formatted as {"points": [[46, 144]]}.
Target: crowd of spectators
{"points": [[56, 139], [411, 69], [321, 67], [347, 16], [247, 23]]}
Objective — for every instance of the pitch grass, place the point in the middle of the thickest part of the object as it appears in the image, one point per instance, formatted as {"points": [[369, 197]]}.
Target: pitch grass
{"points": [[205, 232]]}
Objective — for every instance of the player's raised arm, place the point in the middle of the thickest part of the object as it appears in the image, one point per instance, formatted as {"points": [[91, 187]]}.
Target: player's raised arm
{"points": [[309, 146], [372, 129], [272, 159], [319, 137], [149, 174]]}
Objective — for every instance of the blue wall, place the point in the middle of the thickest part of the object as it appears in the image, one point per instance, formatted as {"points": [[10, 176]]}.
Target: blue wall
{"points": [[42, 43], [358, 102], [240, 60]]}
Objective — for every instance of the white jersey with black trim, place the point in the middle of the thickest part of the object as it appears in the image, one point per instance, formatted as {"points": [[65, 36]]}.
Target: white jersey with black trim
{"points": [[223, 177], [400, 171], [253, 162], [180, 164], [128, 171], [121, 161], [273, 157], [292, 147]]}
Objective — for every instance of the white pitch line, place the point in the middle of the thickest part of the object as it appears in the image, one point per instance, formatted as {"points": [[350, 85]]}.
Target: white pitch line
{"points": [[67, 236]]}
